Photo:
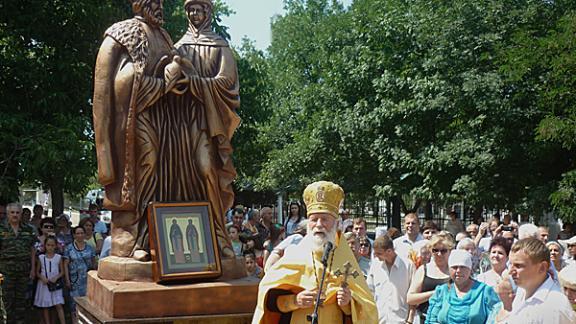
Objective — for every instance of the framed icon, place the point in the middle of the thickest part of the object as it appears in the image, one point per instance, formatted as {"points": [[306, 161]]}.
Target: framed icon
{"points": [[183, 241]]}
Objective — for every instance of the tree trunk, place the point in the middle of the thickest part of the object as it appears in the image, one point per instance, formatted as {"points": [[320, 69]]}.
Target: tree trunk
{"points": [[417, 204], [57, 195], [477, 214], [397, 204], [428, 212], [388, 212]]}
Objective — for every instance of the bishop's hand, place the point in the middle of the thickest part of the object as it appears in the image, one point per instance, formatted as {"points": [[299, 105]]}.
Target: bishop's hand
{"points": [[306, 298], [343, 296]]}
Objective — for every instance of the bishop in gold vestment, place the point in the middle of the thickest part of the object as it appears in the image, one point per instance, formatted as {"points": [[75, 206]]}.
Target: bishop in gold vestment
{"points": [[287, 291]]}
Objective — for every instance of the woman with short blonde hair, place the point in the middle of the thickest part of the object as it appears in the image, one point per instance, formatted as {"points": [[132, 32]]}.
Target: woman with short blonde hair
{"points": [[435, 273]]}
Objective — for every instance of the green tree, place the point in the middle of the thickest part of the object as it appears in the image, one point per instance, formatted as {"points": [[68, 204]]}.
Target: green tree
{"points": [[394, 98], [541, 63], [48, 51], [250, 151]]}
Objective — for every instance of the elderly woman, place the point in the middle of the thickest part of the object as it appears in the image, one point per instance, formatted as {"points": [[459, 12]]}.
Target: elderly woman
{"points": [[467, 244], [556, 253], [431, 275], [499, 250], [462, 299]]}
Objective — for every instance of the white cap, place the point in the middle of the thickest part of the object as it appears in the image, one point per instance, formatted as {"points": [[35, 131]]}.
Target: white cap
{"points": [[571, 241], [460, 258], [568, 276]]}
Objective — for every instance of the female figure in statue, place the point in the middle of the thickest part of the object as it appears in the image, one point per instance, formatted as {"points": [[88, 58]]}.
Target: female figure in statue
{"points": [[204, 117]]}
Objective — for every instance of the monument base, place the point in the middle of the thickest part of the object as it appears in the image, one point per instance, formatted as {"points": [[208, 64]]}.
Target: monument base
{"points": [[127, 269], [88, 314], [209, 302]]}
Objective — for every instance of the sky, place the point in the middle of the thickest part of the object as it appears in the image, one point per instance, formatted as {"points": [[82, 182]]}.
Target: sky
{"points": [[252, 19]]}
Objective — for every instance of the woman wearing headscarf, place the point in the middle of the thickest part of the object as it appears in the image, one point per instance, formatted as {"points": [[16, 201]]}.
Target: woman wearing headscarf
{"points": [[556, 252], [462, 299]]}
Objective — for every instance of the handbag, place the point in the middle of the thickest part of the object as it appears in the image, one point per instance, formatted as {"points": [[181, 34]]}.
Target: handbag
{"points": [[53, 286]]}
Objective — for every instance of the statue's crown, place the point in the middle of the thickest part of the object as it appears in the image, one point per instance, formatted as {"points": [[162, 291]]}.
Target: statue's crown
{"points": [[323, 197], [203, 2]]}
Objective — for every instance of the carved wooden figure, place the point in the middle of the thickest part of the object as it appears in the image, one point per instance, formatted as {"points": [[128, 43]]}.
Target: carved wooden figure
{"points": [[163, 121]]}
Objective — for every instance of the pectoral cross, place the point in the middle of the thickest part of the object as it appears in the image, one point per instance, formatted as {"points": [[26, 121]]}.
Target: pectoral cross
{"points": [[346, 274]]}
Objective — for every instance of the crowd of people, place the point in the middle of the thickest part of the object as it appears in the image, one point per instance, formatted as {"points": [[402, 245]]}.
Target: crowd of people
{"points": [[487, 272], [44, 262], [497, 271]]}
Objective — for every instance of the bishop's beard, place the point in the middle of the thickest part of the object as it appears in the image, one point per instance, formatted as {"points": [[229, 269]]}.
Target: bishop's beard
{"points": [[320, 239]]}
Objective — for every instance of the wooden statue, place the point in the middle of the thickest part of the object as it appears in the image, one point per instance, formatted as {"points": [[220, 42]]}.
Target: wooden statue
{"points": [[163, 123]]}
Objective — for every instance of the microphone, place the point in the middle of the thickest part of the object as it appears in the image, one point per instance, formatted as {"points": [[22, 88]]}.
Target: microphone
{"points": [[327, 249]]}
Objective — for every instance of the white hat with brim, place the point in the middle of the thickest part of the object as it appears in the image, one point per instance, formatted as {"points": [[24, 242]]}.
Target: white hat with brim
{"points": [[567, 276], [460, 258], [571, 241]]}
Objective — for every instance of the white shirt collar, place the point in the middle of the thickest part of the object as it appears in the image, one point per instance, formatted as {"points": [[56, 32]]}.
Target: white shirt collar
{"points": [[542, 292], [406, 239]]}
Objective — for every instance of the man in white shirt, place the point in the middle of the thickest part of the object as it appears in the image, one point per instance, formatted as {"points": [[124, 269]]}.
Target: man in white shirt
{"points": [[403, 244], [389, 280], [539, 299]]}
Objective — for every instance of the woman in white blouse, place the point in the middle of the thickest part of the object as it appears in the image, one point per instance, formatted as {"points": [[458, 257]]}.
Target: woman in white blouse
{"points": [[499, 250]]}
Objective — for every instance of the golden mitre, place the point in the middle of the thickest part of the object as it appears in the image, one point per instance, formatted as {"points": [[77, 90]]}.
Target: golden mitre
{"points": [[203, 2], [323, 197]]}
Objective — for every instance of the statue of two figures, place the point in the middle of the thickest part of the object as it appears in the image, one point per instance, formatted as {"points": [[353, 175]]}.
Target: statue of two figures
{"points": [[164, 116]]}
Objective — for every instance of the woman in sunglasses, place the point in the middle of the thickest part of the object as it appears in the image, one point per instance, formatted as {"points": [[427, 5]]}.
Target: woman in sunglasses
{"points": [[433, 274], [364, 254], [45, 229]]}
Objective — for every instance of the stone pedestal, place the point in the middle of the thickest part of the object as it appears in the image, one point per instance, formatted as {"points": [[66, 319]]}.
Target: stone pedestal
{"points": [[127, 269], [209, 302]]}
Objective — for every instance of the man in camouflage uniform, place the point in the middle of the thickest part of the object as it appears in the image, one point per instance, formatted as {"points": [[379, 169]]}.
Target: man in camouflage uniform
{"points": [[16, 264]]}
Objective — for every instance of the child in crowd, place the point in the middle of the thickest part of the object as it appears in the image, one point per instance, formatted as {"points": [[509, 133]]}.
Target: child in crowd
{"points": [[252, 269], [237, 245], [50, 270], [251, 246]]}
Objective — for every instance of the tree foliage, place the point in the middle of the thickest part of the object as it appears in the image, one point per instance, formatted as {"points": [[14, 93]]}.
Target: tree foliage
{"points": [[48, 51], [442, 101]]}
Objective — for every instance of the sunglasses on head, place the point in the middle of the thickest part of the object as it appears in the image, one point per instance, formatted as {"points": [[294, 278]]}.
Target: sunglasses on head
{"points": [[442, 251]]}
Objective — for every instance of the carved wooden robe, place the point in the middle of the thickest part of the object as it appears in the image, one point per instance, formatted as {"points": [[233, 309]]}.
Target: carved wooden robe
{"points": [[129, 86]]}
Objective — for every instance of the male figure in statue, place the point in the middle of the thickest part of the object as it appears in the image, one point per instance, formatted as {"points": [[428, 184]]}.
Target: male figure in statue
{"points": [[206, 117], [135, 68]]}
